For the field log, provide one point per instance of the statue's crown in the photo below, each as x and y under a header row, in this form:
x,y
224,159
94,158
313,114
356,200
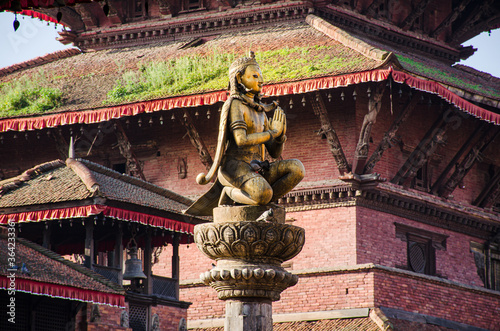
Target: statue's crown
x,y
242,63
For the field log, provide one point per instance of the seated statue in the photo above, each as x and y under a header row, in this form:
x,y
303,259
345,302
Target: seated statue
x,y
245,132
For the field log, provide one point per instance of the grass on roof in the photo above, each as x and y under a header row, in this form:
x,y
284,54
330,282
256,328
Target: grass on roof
x,y
445,77
195,73
28,95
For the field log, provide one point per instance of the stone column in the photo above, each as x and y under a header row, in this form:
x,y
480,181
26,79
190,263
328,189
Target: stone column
x,y
249,253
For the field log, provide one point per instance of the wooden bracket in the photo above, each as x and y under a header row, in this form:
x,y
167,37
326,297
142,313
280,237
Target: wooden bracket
x,y
469,23
414,15
453,162
196,140
427,146
361,152
490,195
331,136
389,136
133,166
475,154
455,13
370,10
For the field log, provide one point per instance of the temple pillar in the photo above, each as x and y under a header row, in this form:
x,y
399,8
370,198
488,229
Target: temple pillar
x,y
148,255
175,261
249,248
89,243
46,235
118,256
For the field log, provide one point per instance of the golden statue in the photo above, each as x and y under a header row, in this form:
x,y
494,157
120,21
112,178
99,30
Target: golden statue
x,y
245,132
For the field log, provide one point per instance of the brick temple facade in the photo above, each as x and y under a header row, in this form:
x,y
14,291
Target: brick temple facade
x,y
400,202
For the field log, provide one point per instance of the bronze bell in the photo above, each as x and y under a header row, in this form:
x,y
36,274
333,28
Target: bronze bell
x,y
133,266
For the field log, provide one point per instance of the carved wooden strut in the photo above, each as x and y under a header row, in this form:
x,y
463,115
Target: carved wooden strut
x,y
197,142
427,146
133,165
361,153
475,154
389,137
331,136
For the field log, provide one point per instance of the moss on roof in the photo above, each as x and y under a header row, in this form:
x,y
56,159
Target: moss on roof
x,y
286,52
195,73
450,76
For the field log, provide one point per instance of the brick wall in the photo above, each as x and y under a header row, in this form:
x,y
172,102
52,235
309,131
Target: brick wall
x,y
377,243
330,237
368,286
169,317
109,318
439,299
205,302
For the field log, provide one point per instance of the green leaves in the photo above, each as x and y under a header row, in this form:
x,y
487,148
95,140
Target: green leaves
x,y
25,97
178,76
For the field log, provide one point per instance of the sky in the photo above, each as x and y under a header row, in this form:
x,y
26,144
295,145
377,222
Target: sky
x,y
36,38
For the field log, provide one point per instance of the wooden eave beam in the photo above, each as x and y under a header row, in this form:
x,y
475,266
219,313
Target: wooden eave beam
x,y
424,150
133,166
452,17
331,136
370,10
469,22
387,140
414,15
475,154
437,185
361,152
490,193
196,140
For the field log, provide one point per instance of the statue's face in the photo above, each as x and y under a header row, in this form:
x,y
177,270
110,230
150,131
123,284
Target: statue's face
x,y
252,79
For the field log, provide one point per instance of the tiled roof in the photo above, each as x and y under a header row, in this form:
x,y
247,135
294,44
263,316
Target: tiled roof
x,y
51,183
416,326
46,266
85,79
120,187
55,181
459,76
358,324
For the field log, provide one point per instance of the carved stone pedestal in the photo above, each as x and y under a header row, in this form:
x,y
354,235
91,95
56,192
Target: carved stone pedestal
x,y
249,253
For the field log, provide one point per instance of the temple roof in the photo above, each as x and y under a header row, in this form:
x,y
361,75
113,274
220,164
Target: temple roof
x,y
60,190
56,181
161,76
286,52
47,273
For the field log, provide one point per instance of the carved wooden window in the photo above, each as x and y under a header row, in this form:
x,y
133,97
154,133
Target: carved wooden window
x,y
495,271
188,5
421,255
137,9
487,259
421,248
421,180
138,317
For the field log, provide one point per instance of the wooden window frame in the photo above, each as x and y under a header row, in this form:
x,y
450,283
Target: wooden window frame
x,y
428,241
487,258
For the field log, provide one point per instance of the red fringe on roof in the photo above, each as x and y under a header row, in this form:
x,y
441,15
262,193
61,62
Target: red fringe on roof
x,y
106,114
85,211
132,216
436,88
41,16
63,291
